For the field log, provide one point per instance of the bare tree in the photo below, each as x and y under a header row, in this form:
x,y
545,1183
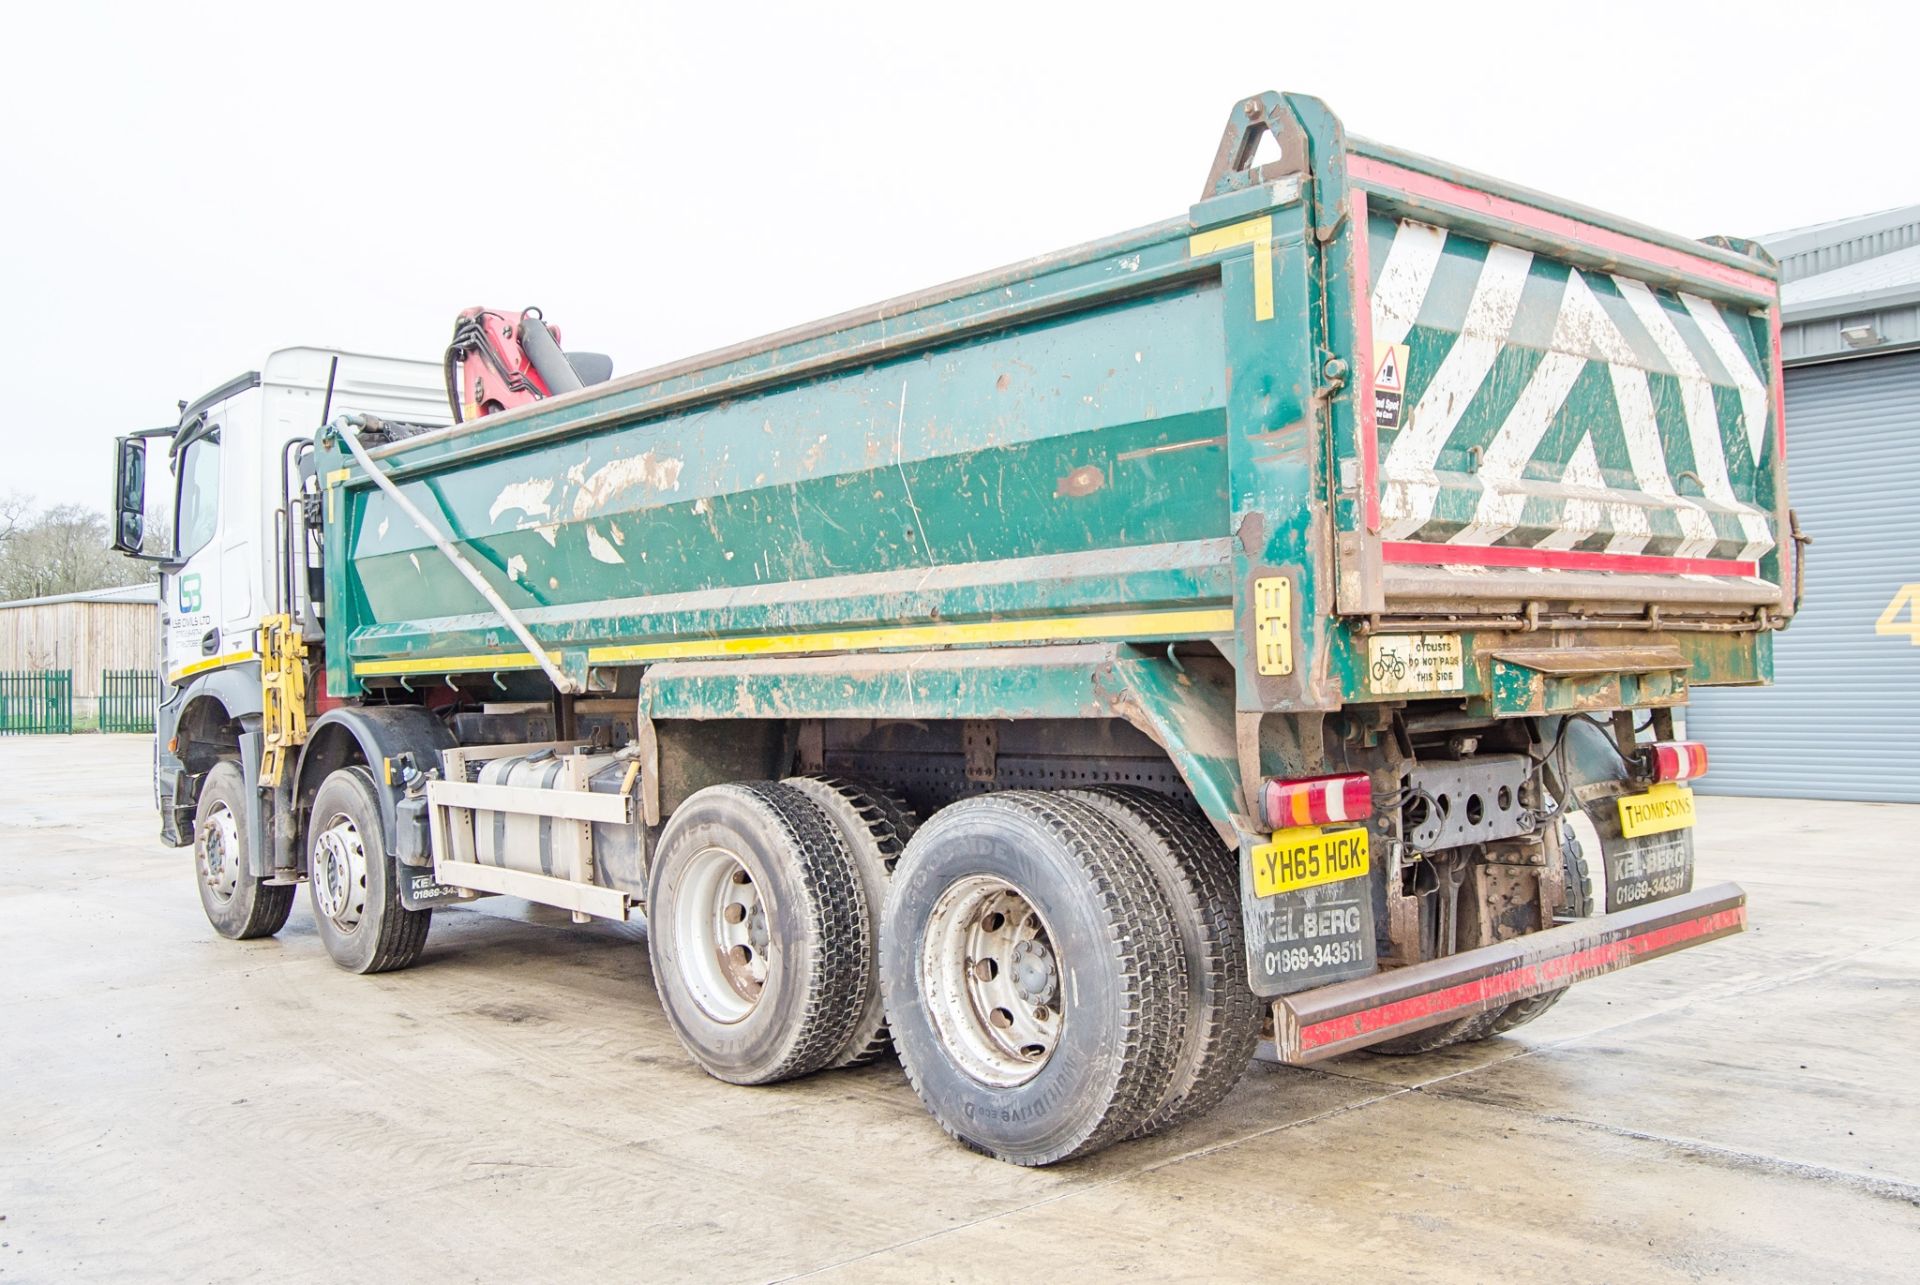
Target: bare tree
x,y
62,550
16,509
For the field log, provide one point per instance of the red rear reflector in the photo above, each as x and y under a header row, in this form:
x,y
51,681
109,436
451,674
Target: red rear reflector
x,y
1677,760
1320,800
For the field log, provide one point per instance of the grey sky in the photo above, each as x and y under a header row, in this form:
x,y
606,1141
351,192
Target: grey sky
x,y
190,187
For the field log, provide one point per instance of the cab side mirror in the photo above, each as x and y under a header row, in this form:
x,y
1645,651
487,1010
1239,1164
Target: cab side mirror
x,y
129,494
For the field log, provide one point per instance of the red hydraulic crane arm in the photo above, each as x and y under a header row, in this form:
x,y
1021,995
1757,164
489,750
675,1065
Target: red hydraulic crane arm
x,y
500,360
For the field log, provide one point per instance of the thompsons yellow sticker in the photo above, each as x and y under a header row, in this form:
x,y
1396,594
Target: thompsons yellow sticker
x,y
1664,807
1307,857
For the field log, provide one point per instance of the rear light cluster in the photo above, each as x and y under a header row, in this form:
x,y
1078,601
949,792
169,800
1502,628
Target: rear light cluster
x,y
1320,800
1675,760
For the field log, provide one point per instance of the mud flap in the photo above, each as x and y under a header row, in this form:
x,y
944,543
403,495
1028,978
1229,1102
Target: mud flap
x,y
1639,870
419,890
1305,938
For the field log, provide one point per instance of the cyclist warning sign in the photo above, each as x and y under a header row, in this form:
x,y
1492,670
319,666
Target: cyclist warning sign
x,y
1415,663
1389,384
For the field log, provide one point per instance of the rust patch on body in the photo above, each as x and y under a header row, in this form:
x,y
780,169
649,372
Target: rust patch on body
x,y
1084,480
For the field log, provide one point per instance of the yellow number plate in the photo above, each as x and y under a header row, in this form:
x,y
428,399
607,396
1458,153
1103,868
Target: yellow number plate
x,y
1663,808
1306,858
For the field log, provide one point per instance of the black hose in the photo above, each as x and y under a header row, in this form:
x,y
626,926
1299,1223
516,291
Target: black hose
x,y
452,364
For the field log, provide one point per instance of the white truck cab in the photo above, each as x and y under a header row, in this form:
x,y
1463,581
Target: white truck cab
x,y
234,478
237,551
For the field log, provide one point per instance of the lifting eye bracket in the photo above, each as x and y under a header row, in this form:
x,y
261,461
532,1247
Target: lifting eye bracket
x,y
1233,167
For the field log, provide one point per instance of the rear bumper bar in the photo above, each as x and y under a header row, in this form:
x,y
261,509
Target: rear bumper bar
x,y
1351,1015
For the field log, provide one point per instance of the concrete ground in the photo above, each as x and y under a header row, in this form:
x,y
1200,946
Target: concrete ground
x,y
175,1106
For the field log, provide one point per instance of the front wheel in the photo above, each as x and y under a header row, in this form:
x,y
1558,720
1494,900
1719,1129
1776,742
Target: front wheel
x,y
238,904
355,894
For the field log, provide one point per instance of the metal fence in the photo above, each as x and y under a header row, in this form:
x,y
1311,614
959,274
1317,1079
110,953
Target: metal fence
x,y
127,699
36,703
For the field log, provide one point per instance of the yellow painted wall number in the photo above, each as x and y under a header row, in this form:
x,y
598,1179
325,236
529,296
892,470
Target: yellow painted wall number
x,y
1892,625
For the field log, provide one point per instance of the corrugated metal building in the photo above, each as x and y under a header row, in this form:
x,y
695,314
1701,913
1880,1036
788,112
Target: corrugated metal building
x,y
1843,718
85,632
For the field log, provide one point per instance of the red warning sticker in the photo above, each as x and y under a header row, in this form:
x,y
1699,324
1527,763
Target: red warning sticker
x,y
1389,384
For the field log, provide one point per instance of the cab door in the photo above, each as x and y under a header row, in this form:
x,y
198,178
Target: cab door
x,y
192,638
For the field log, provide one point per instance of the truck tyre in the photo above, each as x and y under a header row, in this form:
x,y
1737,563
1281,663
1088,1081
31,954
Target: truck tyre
x,y
238,904
1481,1026
1034,984
1196,875
1579,904
354,891
875,826
758,931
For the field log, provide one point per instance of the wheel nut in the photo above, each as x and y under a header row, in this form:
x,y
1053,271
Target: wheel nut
x,y
1041,1014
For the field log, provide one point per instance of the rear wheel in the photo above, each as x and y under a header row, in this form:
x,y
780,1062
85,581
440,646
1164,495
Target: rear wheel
x,y
238,904
1197,878
875,826
1577,905
354,891
1035,985
758,931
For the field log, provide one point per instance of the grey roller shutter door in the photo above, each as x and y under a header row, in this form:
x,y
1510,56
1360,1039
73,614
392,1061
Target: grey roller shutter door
x,y
1842,720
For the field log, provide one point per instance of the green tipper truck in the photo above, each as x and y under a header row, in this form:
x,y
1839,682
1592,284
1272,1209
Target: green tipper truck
x,y
1260,630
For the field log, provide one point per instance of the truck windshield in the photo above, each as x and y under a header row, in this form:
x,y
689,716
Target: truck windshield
x,y
199,495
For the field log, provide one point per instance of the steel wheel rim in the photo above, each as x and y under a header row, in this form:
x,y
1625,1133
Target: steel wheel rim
x,y
991,978
219,852
339,873
721,935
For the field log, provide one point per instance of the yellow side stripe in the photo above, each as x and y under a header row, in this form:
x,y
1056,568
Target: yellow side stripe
x,y
211,662
453,664
1123,625
1061,629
